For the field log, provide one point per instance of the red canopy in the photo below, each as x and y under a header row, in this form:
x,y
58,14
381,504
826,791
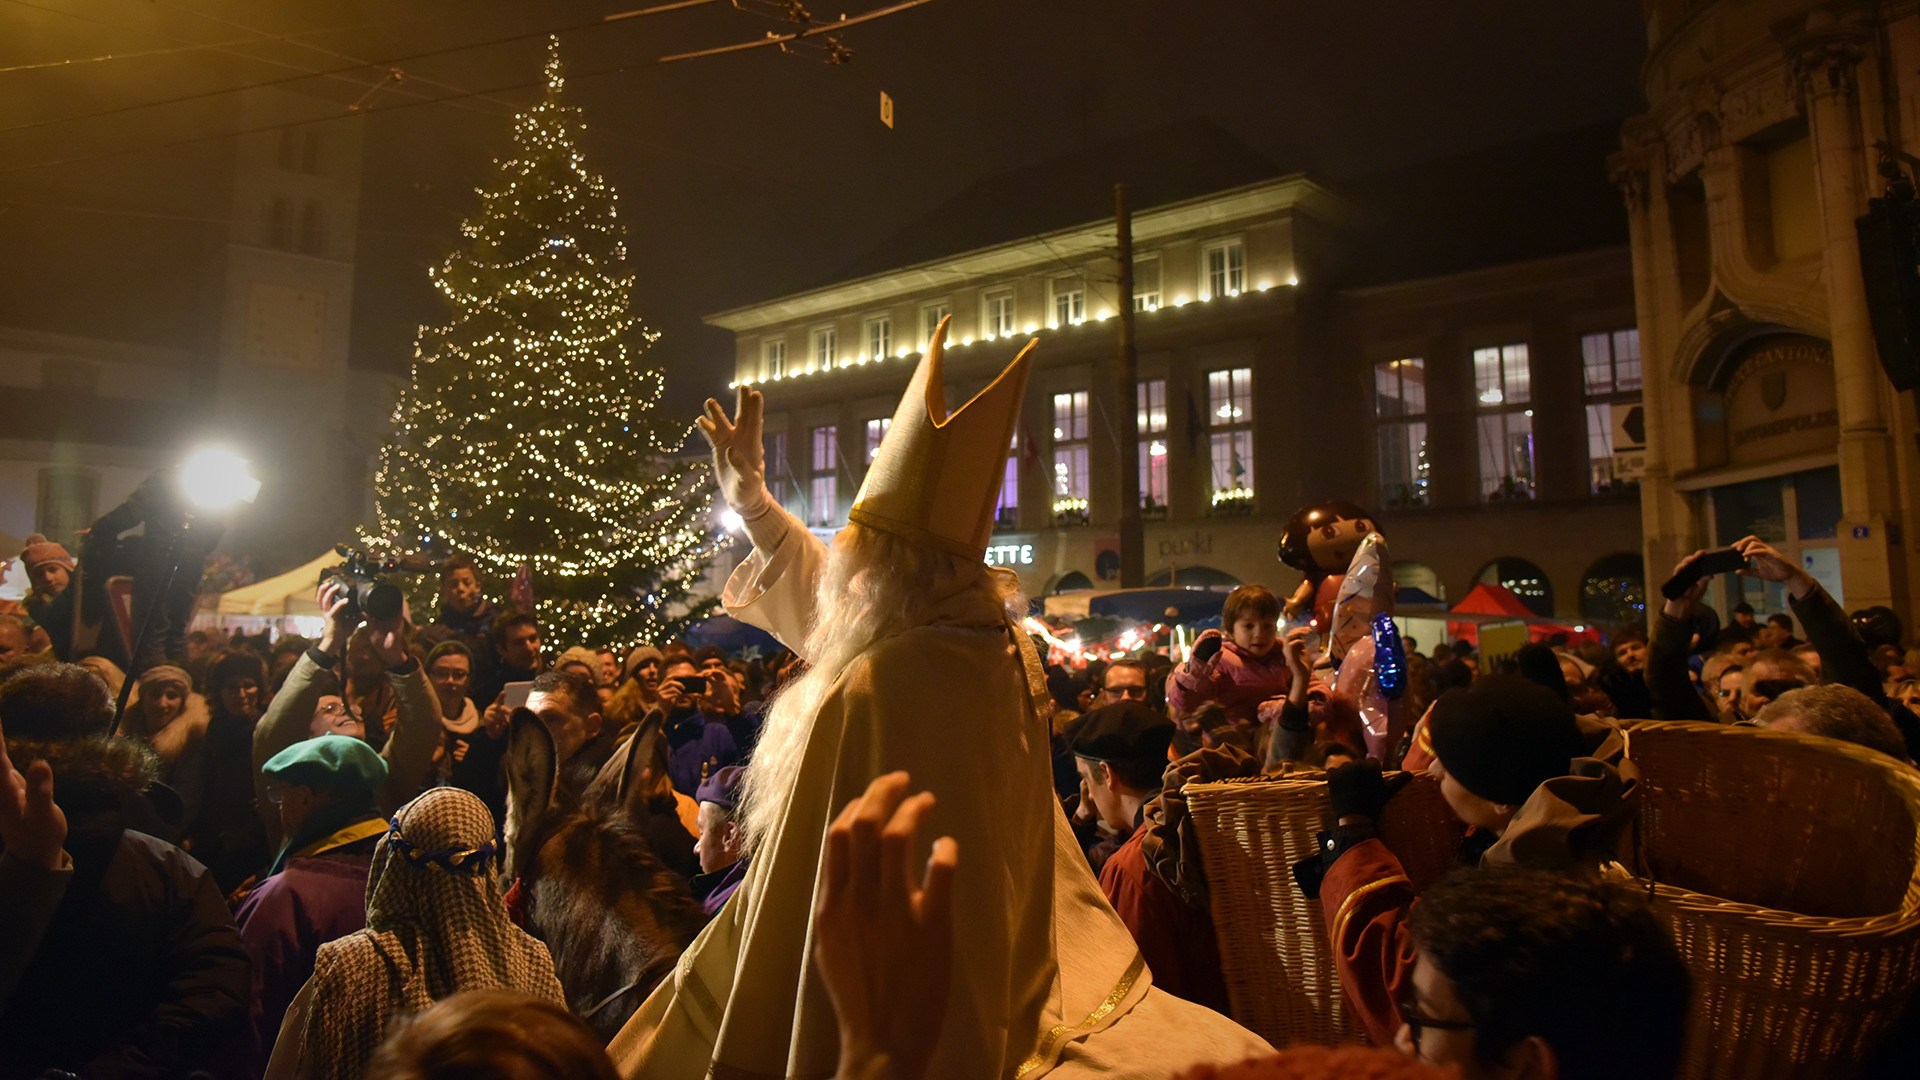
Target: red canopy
x,y
1496,603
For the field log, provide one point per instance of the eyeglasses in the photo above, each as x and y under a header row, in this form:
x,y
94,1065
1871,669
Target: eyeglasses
x,y
332,708
1131,693
1417,1021
274,795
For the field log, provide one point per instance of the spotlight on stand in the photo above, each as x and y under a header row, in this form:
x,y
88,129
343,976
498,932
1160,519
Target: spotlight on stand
x,y
215,478
211,479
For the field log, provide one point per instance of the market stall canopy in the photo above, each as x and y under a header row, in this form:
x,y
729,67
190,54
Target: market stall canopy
x,y
730,635
1140,605
1495,604
1406,596
290,593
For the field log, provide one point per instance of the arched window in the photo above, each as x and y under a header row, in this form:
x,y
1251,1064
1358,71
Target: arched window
x,y
1614,590
1524,580
1413,575
1067,582
313,229
1193,577
310,157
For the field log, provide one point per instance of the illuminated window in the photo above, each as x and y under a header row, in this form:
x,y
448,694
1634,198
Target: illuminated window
x,y
1230,442
1400,430
879,337
824,488
1069,301
1501,376
930,316
779,474
1612,365
1226,268
876,433
1070,429
1006,513
1503,384
1146,284
997,313
1150,398
773,357
826,348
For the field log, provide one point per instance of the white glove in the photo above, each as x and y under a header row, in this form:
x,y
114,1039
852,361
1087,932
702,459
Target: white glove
x,y
739,461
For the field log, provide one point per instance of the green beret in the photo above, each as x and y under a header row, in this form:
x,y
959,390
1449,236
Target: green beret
x,y
333,763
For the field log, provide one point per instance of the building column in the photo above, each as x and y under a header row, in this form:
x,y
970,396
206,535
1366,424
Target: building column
x,y
1666,522
1826,60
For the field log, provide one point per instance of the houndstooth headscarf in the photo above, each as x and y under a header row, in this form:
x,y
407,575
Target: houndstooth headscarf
x,y
435,926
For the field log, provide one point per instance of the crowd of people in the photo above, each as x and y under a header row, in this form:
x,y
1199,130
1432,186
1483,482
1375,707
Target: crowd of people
x,y
292,858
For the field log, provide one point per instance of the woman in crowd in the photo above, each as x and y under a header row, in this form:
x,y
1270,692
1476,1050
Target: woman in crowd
x,y
226,833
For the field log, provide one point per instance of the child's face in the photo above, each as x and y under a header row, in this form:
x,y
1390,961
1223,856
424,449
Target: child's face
x,y
1255,634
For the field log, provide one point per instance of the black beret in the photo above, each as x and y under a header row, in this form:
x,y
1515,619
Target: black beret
x,y
1123,731
1504,736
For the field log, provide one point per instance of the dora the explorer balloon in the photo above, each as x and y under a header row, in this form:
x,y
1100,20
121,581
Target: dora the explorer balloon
x,y
1319,541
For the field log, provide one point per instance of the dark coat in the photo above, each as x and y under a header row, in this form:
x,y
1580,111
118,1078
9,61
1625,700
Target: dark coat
x,y
141,972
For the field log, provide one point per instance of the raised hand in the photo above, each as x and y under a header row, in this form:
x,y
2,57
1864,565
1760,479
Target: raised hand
x,y
1767,564
389,639
32,826
334,599
1680,608
739,459
883,935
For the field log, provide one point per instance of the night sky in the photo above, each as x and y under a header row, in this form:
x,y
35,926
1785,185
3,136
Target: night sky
x,y
742,177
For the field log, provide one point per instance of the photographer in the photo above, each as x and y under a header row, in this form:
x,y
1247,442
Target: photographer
x,y
698,708
1844,658
310,704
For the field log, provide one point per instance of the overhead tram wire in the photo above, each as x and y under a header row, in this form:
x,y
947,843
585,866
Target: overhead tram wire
x,y
335,54
507,39
338,75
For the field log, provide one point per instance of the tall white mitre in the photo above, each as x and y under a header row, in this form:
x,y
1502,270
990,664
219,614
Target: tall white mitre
x,y
937,477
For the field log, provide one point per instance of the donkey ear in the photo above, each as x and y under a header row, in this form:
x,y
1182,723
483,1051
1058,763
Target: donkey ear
x,y
532,768
643,757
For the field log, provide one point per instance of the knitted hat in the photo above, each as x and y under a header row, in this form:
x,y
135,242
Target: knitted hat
x,y
1504,736
338,764
583,656
40,550
1124,731
642,654
722,788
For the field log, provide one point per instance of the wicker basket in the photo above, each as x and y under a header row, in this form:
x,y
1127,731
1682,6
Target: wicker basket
x,y
1789,868
1279,969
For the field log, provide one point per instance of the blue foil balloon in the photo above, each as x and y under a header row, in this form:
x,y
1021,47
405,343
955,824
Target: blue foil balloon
x,y
1389,657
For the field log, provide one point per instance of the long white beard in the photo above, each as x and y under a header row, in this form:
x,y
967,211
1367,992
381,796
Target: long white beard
x,y
871,587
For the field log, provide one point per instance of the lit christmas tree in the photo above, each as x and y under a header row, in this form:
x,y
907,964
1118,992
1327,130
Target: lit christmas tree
x,y
532,433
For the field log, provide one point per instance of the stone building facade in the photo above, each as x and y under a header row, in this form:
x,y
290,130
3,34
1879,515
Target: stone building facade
x,y
1767,410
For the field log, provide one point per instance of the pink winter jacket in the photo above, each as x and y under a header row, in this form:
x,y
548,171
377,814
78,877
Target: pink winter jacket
x,y
1234,680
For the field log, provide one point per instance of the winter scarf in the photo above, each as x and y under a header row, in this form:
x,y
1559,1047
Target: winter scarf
x,y
435,926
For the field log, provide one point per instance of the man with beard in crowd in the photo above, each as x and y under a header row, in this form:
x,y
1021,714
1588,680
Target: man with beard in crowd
x,y
915,665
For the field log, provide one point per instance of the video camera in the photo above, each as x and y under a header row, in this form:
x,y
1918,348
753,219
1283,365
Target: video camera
x,y
368,595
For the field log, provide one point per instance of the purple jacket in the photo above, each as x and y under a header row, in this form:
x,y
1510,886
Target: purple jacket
x,y
713,889
698,748
289,916
1235,681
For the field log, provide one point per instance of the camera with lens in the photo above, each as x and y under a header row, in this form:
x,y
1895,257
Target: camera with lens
x,y
369,596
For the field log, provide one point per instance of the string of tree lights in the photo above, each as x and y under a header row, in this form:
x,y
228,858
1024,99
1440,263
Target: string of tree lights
x,y
533,433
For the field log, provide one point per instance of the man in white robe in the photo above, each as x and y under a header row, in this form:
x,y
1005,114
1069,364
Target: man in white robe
x,y
916,666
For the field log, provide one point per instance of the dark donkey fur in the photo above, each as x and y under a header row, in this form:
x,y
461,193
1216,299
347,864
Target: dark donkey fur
x,y
615,918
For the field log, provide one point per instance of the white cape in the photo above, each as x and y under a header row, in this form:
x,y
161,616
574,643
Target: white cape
x,y
1045,976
